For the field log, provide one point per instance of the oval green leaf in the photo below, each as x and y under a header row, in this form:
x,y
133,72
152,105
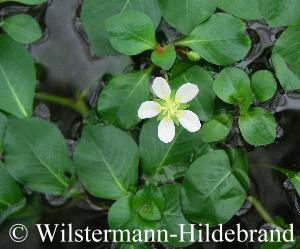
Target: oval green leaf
x,y
131,32
30,146
121,98
16,89
164,57
263,85
94,15
220,40
215,187
110,169
188,14
22,28
258,126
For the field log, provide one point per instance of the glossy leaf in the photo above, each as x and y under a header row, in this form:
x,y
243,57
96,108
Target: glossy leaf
x,y
285,58
164,57
10,193
221,40
203,105
258,126
215,187
280,12
173,216
22,28
241,8
232,85
131,32
94,16
16,89
263,85
155,154
216,129
3,121
36,155
108,170
28,2
121,98
186,15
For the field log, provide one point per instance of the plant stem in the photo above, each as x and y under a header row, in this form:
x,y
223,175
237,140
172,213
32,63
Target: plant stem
x,y
261,210
78,105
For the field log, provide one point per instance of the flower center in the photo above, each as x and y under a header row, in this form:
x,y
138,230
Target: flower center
x,y
170,108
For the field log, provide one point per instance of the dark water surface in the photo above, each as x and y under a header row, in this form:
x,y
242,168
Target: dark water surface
x,y
68,65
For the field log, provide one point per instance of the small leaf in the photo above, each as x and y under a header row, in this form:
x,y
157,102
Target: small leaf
x,y
22,28
28,2
30,146
279,12
10,194
106,160
263,85
3,121
244,9
188,14
164,57
217,129
16,89
295,180
203,105
155,154
215,187
232,85
285,58
258,126
220,40
121,98
131,32
94,15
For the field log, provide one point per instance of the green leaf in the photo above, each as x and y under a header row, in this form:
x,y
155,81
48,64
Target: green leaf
x,y
132,246
280,245
285,58
203,105
156,154
3,121
22,28
188,14
149,202
173,216
233,87
217,129
279,12
164,57
28,2
215,187
10,193
123,216
258,126
94,15
131,32
16,89
106,160
263,85
245,9
221,40
36,155
121,98
295,180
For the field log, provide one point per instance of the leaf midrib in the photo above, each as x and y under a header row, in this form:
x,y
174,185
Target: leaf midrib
x,y
13,92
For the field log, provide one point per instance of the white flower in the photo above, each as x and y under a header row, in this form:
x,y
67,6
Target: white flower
x,y
170,108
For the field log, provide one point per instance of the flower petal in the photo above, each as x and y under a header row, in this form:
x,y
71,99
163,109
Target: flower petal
x,y
189,121
161,88
187,92
166,130
149,109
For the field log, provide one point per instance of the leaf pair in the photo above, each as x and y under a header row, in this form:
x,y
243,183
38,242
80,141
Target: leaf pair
x,y
233,86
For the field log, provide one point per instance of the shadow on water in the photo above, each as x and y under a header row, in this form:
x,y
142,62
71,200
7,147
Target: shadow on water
x,y
68,65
